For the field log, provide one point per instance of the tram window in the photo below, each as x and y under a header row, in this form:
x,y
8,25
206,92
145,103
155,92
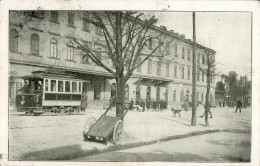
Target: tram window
x,y
60,86
67,86
79,87
47,85
74,87
53,85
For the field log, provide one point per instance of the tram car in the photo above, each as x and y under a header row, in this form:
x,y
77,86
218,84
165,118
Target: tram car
x,y
48,92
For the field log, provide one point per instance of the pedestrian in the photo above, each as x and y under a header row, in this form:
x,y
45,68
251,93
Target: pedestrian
x,y
239,105
143,104
131,104
84,101
186,105
220,104
209,111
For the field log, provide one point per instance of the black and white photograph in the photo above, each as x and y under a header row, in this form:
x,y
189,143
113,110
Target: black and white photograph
x,y
130,86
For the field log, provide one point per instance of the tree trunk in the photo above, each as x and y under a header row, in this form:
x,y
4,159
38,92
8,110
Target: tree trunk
x,y
207,104
120,95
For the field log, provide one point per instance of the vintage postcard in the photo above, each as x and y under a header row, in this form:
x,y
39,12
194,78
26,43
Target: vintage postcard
x,y
86,83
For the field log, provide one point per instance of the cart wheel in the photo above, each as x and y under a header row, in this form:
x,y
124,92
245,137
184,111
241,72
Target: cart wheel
x,y
89,124
118,131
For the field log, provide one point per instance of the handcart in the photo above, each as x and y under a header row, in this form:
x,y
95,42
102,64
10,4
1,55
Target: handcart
x,y
106,128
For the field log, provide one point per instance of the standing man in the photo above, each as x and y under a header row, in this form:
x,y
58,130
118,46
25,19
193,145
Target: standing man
x,y
84,101
239,105
25,88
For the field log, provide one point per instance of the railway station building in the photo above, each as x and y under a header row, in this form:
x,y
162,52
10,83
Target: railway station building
x,y
41,41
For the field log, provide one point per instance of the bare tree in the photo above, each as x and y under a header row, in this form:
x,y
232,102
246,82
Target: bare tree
x,y
126,38
210,71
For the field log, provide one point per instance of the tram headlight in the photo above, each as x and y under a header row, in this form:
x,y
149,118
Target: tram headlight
x,y
22,102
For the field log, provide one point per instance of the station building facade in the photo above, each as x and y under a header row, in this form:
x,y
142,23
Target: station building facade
x,y
42,40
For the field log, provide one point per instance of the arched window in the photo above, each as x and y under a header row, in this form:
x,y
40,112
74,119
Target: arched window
x,y
202,97
35,44
54,48
98,53
182,96
13,40
175,71
174,95
126,92
139,60
70,51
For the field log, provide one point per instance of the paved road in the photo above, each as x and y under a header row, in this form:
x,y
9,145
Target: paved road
x,y
233,146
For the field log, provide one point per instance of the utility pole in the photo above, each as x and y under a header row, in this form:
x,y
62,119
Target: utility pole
x,y
194,73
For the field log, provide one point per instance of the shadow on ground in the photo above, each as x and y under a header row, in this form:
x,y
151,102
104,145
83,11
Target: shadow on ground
x,y
75,151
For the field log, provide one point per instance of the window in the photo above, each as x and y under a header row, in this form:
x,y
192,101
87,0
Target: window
x,y
54,16
47,85
85,58
54,48
71,18
139,69
183,53
74,87
70,51
98,31
60,86
13,40
198,58
79,87
182,72
53,85
35,44
188,73
175,50
198,76
197,97
158,68
202,76
182,96
189,55
67,86
149,66
96,91
167,69
126,92
150,42
203,59
174,95
201,97
98,54
85,23
168,48
175,71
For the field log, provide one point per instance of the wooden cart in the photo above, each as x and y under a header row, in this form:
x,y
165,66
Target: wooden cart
x,y
106,128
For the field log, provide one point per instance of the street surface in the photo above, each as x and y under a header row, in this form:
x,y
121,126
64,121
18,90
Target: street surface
x,y
152,136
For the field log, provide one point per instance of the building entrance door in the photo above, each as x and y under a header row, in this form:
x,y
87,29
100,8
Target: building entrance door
x,y
148,97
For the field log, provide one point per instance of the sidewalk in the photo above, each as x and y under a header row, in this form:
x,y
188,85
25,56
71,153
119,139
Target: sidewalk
x,y
140,128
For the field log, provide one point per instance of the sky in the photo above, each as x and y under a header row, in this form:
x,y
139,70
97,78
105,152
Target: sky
x,y
228,33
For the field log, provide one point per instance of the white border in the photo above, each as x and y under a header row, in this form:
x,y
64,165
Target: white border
x,y
165,5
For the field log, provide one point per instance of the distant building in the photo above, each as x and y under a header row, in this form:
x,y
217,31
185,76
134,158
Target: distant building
x,y
42,39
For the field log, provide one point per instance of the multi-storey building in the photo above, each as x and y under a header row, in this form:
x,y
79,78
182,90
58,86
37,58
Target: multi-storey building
x,y
42,39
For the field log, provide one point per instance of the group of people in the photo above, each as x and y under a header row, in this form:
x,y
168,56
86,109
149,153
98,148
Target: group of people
x,y
157,105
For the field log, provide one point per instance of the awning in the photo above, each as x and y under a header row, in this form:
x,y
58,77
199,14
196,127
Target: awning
x,y
153,81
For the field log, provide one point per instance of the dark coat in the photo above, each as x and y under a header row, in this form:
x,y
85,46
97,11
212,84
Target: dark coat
x,y
84,101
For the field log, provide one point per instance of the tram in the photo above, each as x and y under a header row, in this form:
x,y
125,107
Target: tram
x,y
53,92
